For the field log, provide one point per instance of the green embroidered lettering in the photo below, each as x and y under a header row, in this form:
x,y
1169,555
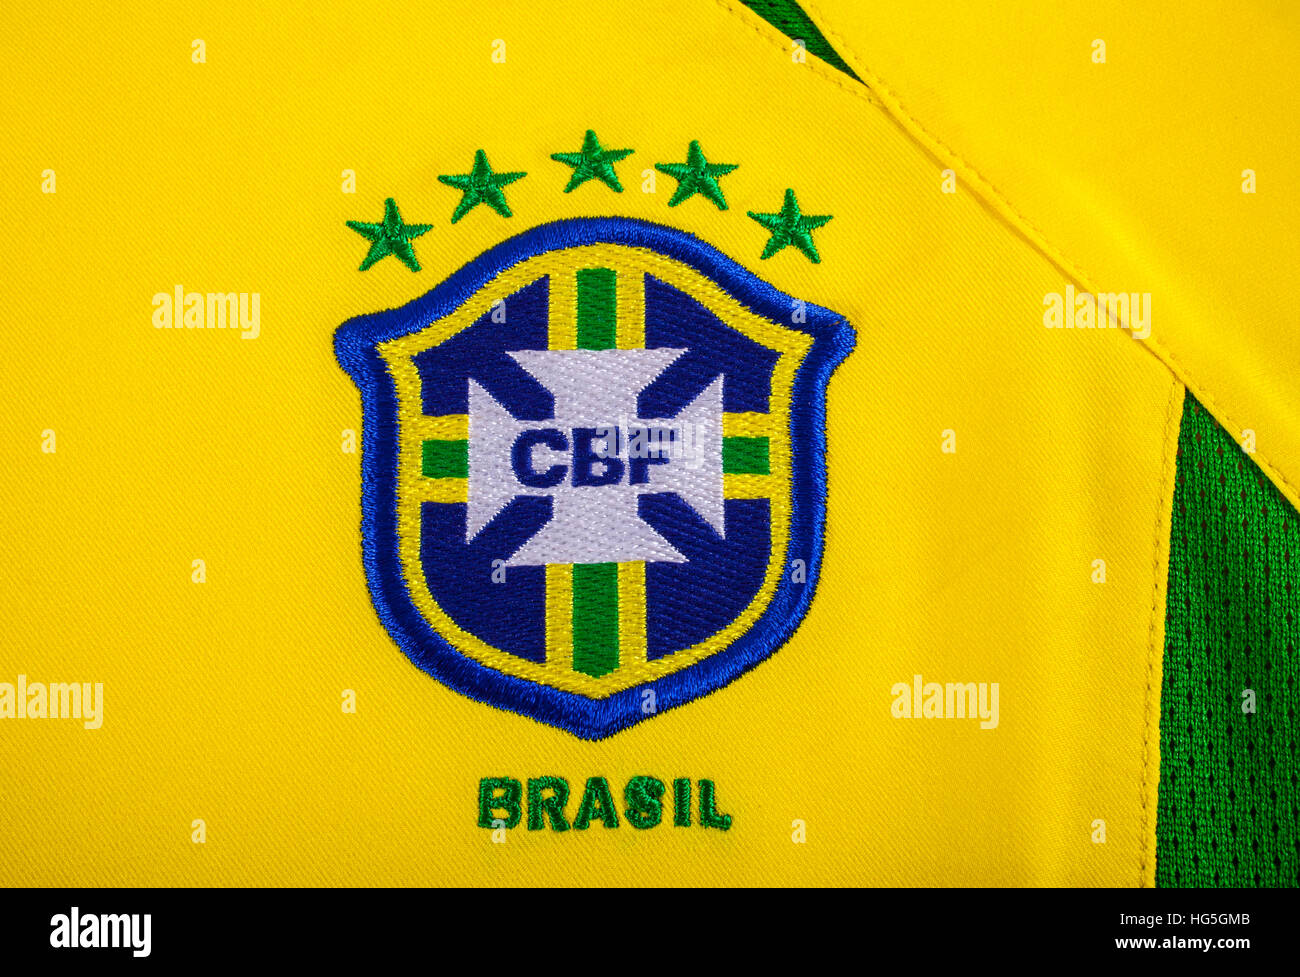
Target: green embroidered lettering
x,y
508,801
644,807
681,803
597,803
709,816
540,808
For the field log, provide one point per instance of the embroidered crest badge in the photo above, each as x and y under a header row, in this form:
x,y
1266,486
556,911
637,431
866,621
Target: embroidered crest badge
x,y
593,470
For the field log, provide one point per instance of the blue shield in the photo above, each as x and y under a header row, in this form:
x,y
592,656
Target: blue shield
x,y
593,475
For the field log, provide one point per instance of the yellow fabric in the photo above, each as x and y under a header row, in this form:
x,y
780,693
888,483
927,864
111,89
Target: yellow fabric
x,y
222,698
1129,173
414,489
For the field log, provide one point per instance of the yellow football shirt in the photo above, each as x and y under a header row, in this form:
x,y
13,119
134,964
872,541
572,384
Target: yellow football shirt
x,y
335,338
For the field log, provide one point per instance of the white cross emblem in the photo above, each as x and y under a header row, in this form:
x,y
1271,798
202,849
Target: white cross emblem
x,y
595,523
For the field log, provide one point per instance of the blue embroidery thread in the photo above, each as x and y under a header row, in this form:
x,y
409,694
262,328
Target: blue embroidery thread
x,y
356,348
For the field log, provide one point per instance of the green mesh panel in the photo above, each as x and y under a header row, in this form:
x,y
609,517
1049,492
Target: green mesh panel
x,y
788,17
1229,807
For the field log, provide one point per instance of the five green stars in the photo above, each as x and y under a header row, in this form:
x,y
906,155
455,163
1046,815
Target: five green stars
x,y
390,236
697,175
481,186
593,162
790,227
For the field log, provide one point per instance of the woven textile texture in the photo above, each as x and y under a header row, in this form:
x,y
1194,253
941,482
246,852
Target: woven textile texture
x,y
789,18
1228,812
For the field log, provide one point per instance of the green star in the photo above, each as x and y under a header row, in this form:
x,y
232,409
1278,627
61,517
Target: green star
x,y
696,175
791,227
481,186
592,162
390,236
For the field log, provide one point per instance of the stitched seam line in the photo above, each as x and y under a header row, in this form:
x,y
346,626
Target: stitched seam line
x,y
1155,648
998,202
822,69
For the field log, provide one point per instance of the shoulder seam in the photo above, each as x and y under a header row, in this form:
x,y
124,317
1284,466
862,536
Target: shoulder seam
x,y
769,33
877,92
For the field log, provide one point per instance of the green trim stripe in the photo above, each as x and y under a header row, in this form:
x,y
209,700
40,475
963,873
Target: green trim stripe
x,y
597,308
789,18
1228,813
745,456
595,618
445,459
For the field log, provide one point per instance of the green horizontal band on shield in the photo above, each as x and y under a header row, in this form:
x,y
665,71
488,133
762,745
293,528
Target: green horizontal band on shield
x,y
745,456
445,459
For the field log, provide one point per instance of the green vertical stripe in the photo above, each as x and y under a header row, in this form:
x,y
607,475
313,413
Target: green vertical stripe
x,y
597,308
1228,812
745,456
445,459
595,618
